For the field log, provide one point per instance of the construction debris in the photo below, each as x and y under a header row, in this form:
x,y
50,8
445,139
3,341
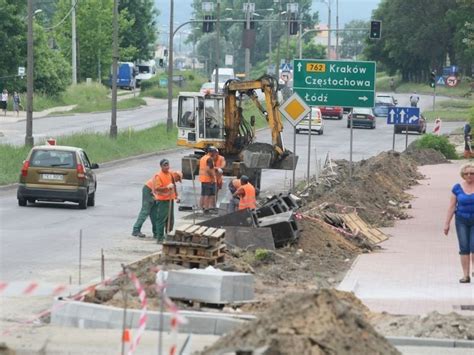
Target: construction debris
x,y
195,246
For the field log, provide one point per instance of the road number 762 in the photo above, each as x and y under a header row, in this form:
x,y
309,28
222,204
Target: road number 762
x,y
316,67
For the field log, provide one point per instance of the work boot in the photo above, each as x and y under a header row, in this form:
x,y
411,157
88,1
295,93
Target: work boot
x,y
138,234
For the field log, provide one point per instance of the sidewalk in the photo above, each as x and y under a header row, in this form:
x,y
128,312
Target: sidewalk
x,y
12,117
418,269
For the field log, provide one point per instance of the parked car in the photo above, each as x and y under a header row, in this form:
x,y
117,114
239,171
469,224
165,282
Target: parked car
x,y
363,117
209,88
420,127
332,112
57,173
382,105
317,123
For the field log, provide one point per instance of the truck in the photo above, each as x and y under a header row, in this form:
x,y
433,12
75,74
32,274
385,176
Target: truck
x,y
218,120
224,75
126,73
146,71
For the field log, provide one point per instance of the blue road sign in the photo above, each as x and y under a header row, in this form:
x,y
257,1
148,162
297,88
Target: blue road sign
x,y
403,115
440,80
286,67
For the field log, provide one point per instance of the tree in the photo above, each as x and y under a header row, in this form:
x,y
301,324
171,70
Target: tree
x,y
353,42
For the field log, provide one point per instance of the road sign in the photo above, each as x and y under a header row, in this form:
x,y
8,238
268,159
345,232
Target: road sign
x,y
335,83
451,81
440,81
403,115
286,67
21,71
294,109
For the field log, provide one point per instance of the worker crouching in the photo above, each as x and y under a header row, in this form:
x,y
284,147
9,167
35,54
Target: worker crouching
x,y
246,193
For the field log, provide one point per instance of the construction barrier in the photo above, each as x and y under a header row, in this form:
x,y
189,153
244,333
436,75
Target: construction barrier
x,y
437,127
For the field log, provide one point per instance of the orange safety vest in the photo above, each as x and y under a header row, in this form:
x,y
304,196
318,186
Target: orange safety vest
x,y
219,162
162,179
248,199
204,170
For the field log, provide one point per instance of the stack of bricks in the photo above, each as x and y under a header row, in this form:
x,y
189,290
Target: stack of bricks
x,y
195,246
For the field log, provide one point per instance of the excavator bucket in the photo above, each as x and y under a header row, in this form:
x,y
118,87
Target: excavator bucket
x,y
264,156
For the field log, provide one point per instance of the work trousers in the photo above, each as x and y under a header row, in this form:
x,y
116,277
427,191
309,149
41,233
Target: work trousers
x,y
165,211
149,209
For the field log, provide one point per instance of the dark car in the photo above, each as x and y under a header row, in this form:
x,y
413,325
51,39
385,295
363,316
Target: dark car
x,y
420,127
361,117
59,174
382,104
332,112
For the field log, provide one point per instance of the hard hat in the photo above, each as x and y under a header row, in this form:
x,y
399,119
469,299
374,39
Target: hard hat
x,y
212,149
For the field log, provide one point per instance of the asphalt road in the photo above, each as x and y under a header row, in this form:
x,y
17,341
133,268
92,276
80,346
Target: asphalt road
x,y
41,241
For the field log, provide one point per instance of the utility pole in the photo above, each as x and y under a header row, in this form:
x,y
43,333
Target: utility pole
x,y
73,43
218,33
329,29
269,46
169,120
288,15
277,67
337,30
113,123
247,48
29,140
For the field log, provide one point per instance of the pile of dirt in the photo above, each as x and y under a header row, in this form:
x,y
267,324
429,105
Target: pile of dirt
x,y
318,322
319,259
376,190
432,325
425,156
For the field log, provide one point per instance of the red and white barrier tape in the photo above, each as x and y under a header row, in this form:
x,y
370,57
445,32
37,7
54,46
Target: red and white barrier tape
x,y
143,316
33,288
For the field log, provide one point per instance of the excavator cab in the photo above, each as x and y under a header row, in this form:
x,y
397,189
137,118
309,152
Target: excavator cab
x,y
200,120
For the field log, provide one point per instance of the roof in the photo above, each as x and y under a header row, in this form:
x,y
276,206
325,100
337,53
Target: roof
x,y
57,147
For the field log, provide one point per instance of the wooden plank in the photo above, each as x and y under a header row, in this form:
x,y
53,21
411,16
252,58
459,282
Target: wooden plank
x,y
218,233
209,231
356,224
183,227
200,231
193,228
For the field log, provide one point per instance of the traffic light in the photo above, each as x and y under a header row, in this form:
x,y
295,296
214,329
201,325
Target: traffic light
x,y
293,27
165,53
433,78
207,25
161,62
375,29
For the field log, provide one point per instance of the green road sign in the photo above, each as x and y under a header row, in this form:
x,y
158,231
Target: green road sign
x,y
334,83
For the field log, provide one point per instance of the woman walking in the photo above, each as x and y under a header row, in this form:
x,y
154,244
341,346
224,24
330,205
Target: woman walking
x,y
4,101
461,205
16,103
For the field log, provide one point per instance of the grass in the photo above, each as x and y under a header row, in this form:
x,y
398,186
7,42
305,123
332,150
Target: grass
x,y
451,110
152,88
99,147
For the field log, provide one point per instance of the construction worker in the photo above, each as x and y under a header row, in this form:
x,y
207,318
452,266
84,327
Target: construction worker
x,y
247,194
210,176
234,200
149,209
165,192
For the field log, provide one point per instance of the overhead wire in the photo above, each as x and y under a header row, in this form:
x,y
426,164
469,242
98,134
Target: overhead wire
x,y
64,18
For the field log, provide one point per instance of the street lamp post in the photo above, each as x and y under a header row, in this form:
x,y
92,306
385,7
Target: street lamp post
x,y
73,42
218,33
337,29
29,140
169,120
249,8
328,4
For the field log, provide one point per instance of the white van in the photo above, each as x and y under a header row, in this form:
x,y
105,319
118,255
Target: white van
x,y
224,75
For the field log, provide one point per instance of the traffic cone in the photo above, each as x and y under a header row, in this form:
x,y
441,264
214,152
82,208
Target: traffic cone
x,y
126,341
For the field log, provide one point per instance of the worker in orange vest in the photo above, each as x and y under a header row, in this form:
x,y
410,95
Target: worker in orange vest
x,y
210,175
148,210
234,200
165,193
247,194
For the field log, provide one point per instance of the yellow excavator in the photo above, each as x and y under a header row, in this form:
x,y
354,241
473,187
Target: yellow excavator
x,y
219,120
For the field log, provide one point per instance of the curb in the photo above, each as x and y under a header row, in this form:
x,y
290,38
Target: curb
x,y
431,342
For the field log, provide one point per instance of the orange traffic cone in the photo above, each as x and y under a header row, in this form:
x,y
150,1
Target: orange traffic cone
x,y
126,341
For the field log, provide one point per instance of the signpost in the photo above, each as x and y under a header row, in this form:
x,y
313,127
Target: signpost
x,y
294,109
403,115
335,83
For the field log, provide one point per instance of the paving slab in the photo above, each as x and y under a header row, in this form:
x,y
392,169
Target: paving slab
x,y
418,269
210,285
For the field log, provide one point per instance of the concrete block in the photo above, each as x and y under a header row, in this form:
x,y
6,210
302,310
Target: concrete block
x,y
260,160
210,285
242,218
284,228
249,238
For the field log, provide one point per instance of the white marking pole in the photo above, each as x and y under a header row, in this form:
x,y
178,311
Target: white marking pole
x,y
309,150
393,140
294,152
350,150
80,254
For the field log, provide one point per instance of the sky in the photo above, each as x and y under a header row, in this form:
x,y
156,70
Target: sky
x,y
348,10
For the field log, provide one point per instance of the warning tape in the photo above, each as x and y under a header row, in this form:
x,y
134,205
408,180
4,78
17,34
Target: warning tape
x,y
33,288
143,316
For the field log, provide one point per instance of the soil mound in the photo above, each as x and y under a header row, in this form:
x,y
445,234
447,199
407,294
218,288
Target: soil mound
x,y
375,191
319,322
425,156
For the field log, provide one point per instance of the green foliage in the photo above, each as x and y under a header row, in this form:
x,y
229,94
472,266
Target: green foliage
x,y
353,42
439,143
418,36
99,147
262,254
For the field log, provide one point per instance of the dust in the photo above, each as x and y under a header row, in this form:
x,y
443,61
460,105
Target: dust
x,y
320,322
